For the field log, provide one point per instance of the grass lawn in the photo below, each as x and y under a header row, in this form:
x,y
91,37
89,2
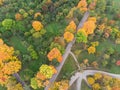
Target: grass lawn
x,y
116,3
84,86
16,42
2,88
68,68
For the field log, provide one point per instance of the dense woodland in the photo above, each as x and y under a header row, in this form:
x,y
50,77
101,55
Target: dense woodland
x,y
35,36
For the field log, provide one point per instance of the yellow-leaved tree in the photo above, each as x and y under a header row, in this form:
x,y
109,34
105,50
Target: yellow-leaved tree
x,y
9,64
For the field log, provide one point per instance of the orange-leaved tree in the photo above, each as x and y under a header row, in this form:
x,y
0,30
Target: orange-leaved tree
x,y
9,64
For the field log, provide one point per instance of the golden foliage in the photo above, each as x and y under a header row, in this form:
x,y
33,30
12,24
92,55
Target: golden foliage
x,y
101,27
16,87
91,50
96,43
68,36
92,19
1,2
18,16
89,26
83,31
37,25
37,14
95,64
85,61
97,76
90,80
71,27
46,83
116,88
3,78
11,67
82,5
12,84
9,64
6,52
54,54
46,70
101,81
54,70
96,86
61,85
42,77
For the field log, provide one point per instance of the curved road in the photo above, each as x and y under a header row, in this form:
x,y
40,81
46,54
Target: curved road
x,y
79,76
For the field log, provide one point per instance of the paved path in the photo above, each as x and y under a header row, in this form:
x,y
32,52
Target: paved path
x,y
79,76
67,51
